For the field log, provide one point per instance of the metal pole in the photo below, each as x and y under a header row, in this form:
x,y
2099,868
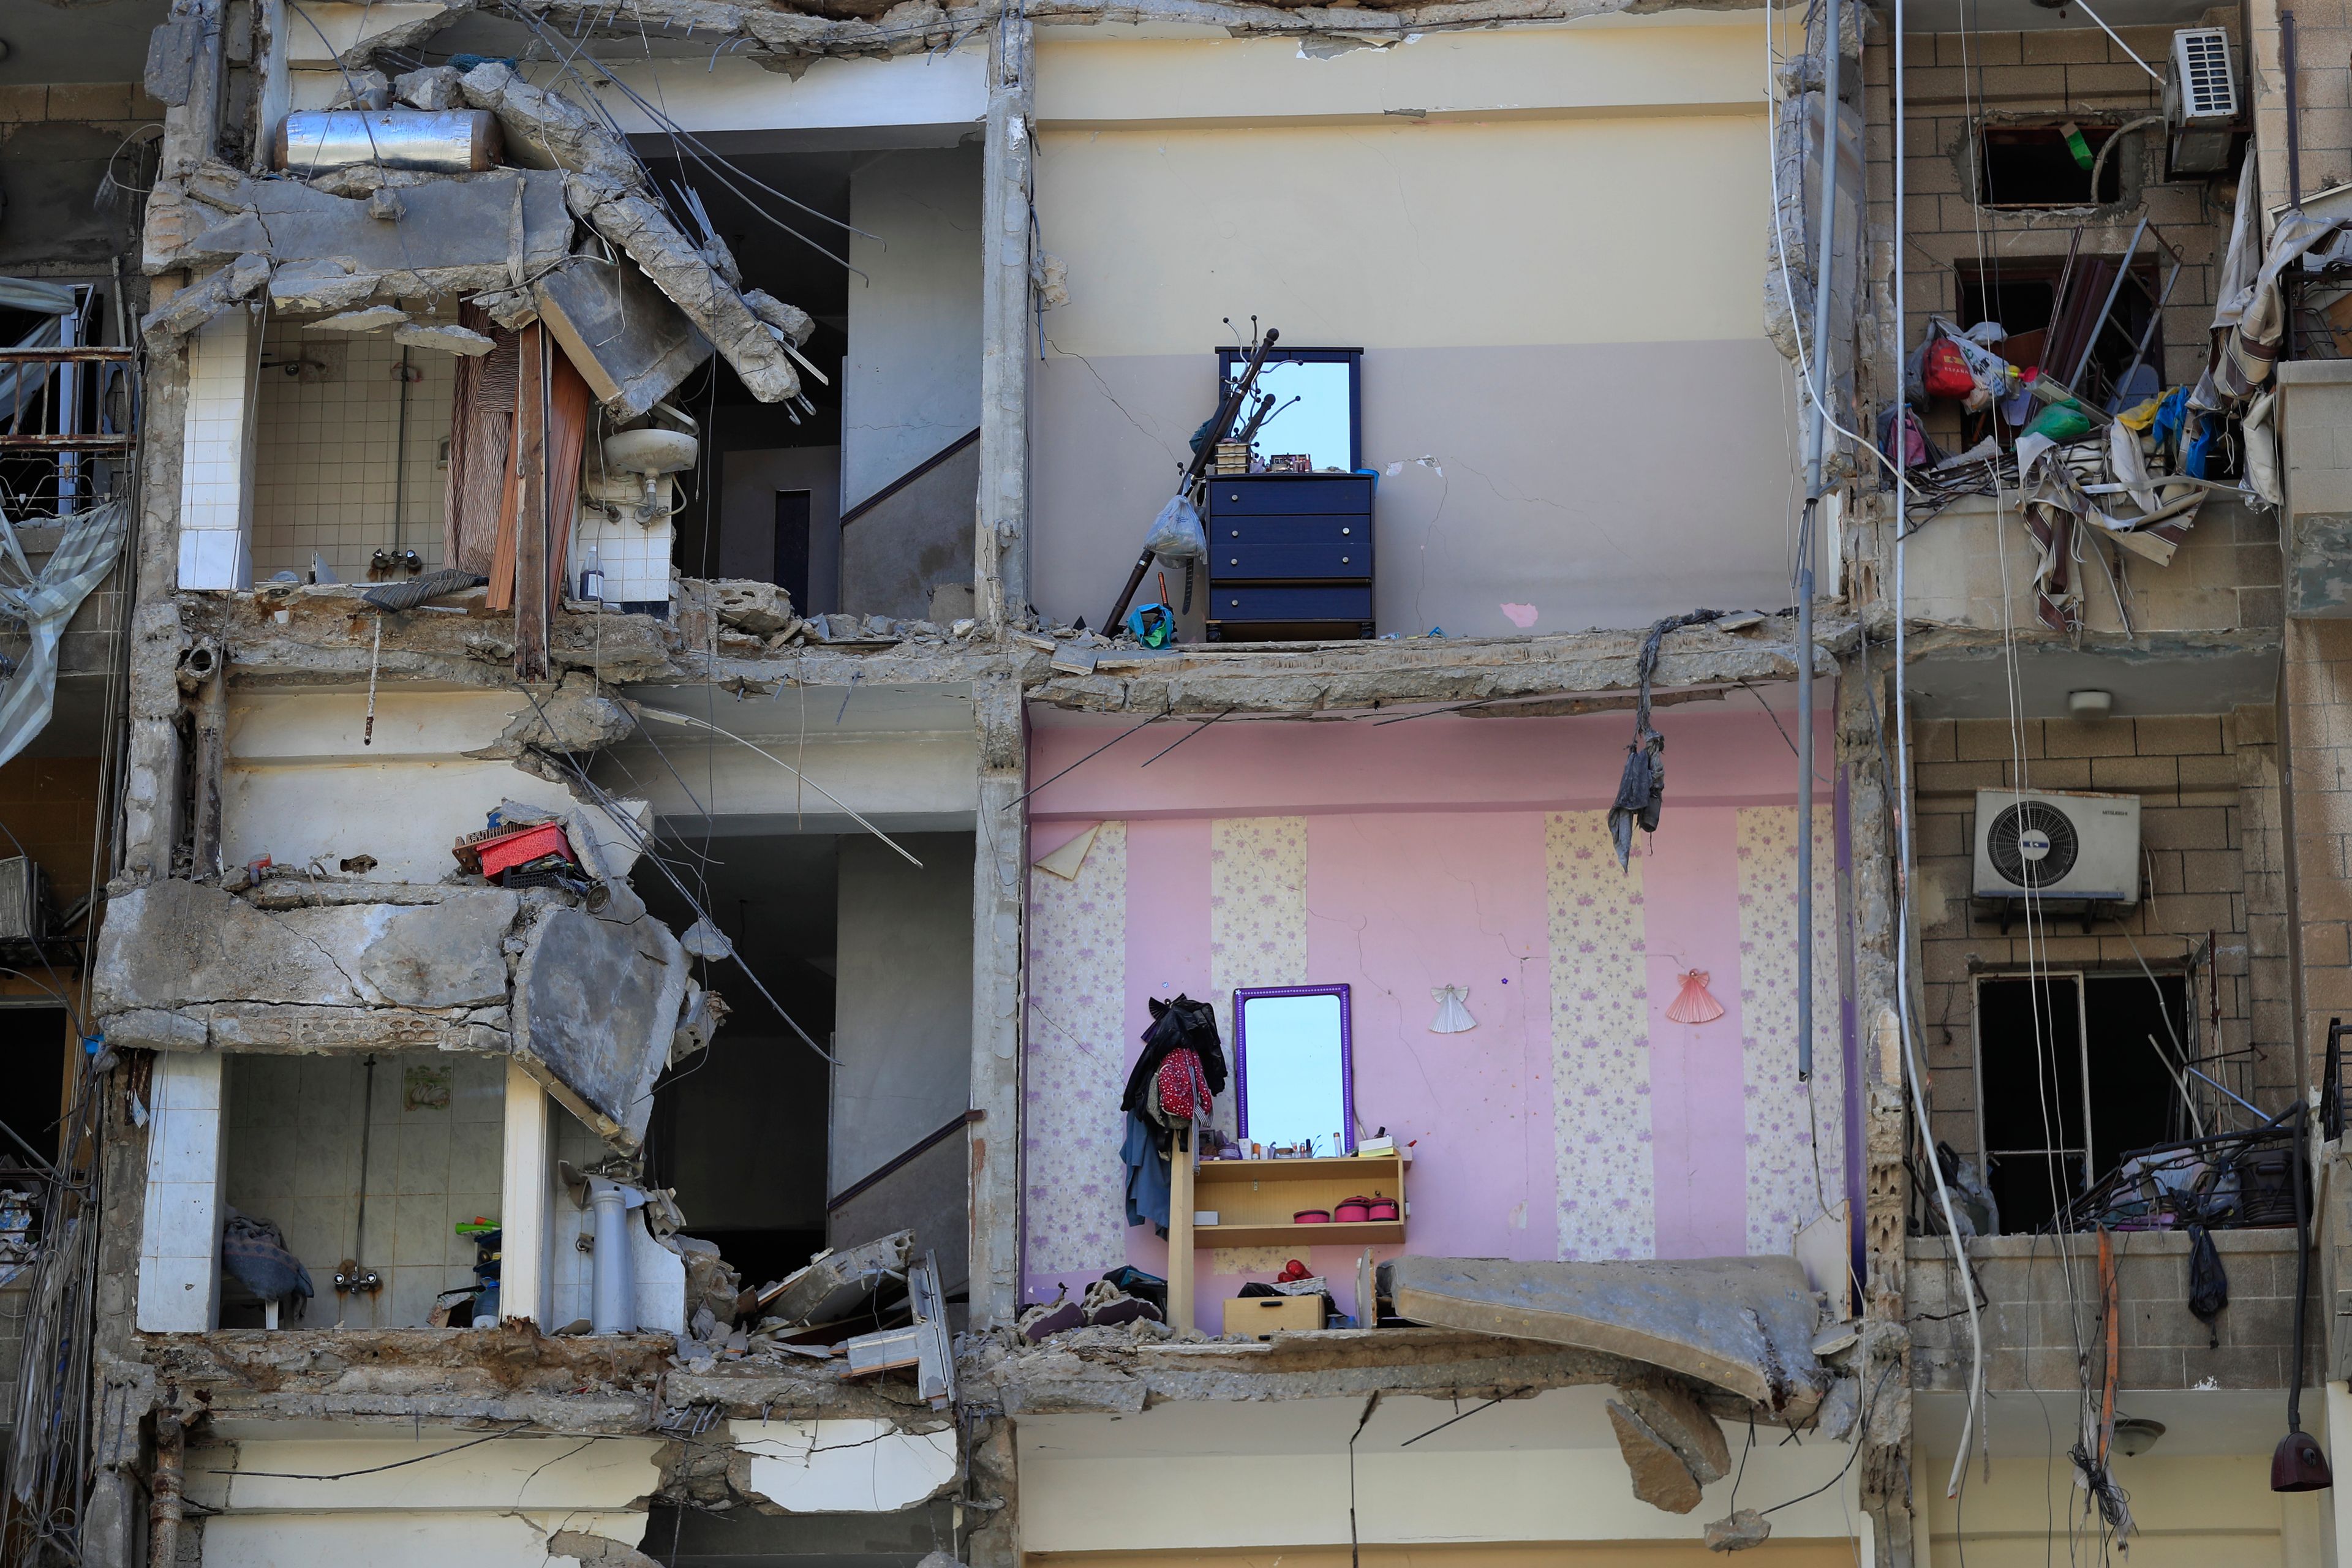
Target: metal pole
x,y
1816,447
2123,270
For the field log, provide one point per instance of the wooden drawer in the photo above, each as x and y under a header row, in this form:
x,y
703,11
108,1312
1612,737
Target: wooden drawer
x,y
1291,528
1290,604
1241,563
1262,1317
1263,494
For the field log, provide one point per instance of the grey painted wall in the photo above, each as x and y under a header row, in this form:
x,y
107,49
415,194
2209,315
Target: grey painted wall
x,y
911,384
902,1018
747,516
913,541
1606,484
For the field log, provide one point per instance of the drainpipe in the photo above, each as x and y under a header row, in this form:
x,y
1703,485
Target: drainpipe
x,y
1816,444
612,1304
164,1488
204,673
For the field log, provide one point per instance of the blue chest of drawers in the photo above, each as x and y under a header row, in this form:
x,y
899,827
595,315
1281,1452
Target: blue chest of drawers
x,y
1290,556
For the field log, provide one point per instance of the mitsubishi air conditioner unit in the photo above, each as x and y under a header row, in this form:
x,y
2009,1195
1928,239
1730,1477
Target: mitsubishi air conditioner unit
x,y
2200,100
2061,845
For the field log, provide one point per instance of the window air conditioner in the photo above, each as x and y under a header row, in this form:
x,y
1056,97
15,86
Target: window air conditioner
x,y
2069,845
24,901
2200,100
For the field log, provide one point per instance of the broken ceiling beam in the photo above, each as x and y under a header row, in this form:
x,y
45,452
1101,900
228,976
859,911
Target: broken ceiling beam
x,y
192,307
631,344
460,232
605,187
1743,1325
833,1283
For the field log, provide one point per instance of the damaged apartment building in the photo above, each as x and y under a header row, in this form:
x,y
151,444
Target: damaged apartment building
x,y
775,776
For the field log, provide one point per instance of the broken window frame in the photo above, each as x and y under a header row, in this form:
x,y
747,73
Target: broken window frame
x,y
2084,1155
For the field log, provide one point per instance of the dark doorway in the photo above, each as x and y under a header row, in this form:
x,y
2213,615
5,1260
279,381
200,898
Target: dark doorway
x,y
792,508
2070,1083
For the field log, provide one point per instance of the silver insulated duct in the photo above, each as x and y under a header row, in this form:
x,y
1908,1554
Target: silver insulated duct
x,y
436,142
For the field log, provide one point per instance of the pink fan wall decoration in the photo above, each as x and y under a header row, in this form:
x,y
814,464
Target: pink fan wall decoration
x,y
1694,1004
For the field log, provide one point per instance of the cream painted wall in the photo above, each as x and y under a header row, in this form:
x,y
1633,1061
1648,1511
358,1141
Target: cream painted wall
x,y
1556,274
1409,235
1683,63
301,780
1544,1468
2192,1510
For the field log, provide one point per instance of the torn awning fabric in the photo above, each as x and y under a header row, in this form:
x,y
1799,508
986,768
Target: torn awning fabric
x,y
1641,790
44,602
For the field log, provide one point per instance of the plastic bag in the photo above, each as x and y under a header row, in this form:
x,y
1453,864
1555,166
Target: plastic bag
x,y
1176,532
1947,371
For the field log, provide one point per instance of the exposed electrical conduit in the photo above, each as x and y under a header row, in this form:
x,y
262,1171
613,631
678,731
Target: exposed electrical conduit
x,y
2100,162
1904,796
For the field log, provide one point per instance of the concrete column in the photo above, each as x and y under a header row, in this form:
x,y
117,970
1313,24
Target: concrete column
x,y
1001,553
217,452
1000,863
151,803
524,1198
180,1231
190,130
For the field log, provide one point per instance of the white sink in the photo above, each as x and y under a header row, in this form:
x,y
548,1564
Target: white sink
x,y
649,451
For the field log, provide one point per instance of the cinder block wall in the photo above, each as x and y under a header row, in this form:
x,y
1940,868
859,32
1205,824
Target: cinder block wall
x,y
2041,1313
1953,82
2212,846
2319,681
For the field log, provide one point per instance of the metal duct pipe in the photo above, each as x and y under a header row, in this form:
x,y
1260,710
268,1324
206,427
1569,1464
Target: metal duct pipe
x,y
612,1298
439,142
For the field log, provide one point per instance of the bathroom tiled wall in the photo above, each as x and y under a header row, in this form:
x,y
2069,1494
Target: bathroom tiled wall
x,y
636,558
326,479
294,1150
179,1233
217,455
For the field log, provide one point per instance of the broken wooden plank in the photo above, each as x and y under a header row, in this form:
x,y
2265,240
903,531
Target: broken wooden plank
x,y
531,514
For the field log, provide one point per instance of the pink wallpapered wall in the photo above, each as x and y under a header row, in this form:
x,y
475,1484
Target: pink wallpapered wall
x,y
1576,1120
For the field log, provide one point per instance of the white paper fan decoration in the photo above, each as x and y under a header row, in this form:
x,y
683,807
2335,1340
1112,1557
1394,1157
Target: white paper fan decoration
x,y
1453,1016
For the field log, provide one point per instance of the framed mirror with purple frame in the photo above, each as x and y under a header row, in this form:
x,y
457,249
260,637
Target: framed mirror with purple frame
x,y
1294,1067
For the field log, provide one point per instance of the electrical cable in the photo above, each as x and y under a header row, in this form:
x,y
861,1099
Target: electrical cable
x,y
1907,870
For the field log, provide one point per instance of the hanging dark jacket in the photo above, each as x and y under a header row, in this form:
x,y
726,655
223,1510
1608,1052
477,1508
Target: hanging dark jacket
x,y
1183,1022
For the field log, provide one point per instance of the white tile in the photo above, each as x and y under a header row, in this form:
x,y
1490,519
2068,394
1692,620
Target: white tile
x,y
191,1079
183,1145
176,1295
187,1221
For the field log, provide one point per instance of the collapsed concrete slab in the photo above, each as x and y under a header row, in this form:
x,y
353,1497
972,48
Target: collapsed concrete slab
x,y
605,185
185,944
458,232
1743,1325
596,1004
632,345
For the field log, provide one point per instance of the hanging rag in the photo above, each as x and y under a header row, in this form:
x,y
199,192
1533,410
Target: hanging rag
x,y
2208,1282
1148,1175
2250,352
481,482
1642,789
44,600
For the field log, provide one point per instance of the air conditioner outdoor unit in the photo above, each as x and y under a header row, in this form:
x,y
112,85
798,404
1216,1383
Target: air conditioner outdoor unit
x,y
2200,100
2059,844
24,901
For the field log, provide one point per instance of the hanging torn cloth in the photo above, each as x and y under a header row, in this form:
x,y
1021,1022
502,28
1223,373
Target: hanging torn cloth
x,y
1641,790
44,602
1145,1153
2250,352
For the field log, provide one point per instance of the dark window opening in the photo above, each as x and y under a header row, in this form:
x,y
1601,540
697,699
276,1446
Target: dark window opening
x,y
792,512
2038,166
34,1042
2070,1084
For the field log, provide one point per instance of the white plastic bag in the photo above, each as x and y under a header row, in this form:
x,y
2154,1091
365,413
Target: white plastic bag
x,y
1177,533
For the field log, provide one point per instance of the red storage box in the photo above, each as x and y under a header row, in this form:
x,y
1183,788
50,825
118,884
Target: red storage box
x,y
515,849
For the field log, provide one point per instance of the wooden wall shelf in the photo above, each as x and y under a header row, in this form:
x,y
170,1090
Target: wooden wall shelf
x,y
1254,1199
